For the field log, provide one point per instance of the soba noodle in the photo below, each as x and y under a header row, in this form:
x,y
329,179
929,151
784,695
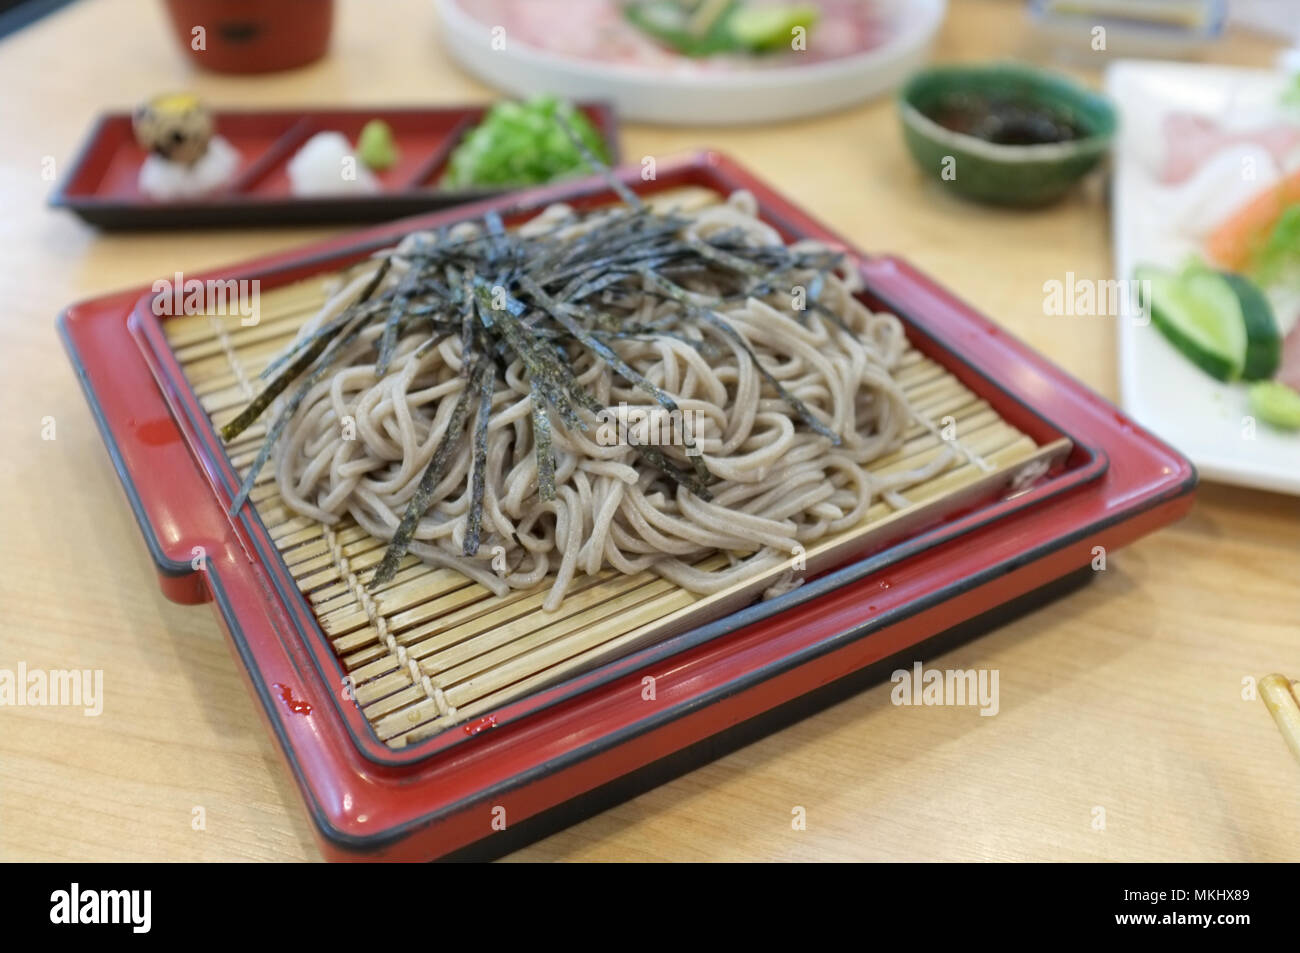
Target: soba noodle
x,y
358,444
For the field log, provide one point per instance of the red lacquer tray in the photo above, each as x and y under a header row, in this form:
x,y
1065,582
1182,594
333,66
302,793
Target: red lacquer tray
x,y
101,186
576,747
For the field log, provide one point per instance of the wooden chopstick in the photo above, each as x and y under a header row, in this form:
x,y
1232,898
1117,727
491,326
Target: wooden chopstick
x,y
1278,693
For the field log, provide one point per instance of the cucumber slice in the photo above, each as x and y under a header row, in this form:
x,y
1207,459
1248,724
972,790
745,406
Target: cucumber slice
x,y
1200,315
700,34
661,15
1275,403
1263,340
766,28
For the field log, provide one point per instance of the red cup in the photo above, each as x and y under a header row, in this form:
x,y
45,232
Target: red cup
x,y
252,36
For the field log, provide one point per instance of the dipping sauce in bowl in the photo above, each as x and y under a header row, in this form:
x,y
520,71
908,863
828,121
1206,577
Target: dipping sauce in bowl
x,y
1005,121
1004,133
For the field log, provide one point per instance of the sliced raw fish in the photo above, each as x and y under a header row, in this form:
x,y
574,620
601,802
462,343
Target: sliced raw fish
x,y
1289,372
1191,140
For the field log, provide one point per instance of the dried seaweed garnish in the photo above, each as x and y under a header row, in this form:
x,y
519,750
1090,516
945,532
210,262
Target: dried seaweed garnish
x,y
246,417
550,375
304,360
327,359
545,301
401,303
631,247
543,371
474,524
584,287
716,320
321,336
559,311
433,475
496,229
622,191
543,448
726,259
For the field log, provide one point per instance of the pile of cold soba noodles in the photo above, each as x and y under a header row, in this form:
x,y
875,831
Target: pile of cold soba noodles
x,y
358,442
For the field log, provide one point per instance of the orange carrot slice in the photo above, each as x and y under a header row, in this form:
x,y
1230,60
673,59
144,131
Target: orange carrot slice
x,y
1234,241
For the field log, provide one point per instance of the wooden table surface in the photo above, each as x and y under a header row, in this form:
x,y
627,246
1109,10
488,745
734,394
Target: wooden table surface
x,y
1125,696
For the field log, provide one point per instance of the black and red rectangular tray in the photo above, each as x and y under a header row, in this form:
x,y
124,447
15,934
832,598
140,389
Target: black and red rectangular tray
x,y
574,747
101,187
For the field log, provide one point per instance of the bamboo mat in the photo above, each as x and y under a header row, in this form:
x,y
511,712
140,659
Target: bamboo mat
x,y
431,649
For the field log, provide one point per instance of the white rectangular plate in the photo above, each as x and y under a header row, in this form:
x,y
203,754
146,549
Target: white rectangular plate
x,y
1160,388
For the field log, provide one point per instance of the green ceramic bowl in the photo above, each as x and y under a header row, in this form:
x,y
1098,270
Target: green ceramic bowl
x,y
994,172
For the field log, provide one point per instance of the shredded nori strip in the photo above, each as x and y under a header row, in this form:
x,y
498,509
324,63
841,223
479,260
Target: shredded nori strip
x,y
433,475
622,191
717,321
401,304
475,522
603,350
543,448
543,370
273,390
331,354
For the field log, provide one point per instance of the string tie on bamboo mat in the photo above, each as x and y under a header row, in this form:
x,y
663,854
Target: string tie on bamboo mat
x,y
931,426
228,350
377,621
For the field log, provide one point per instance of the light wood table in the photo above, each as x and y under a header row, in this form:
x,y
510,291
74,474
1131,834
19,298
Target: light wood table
x,y
1125,696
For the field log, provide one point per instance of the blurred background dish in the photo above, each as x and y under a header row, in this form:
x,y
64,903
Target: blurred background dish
x,y
1205,150
252,36
272,167
1004,133
654,71
1172,28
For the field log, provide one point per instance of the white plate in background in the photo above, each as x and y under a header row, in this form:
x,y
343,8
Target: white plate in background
x,y
650,94
1160,388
